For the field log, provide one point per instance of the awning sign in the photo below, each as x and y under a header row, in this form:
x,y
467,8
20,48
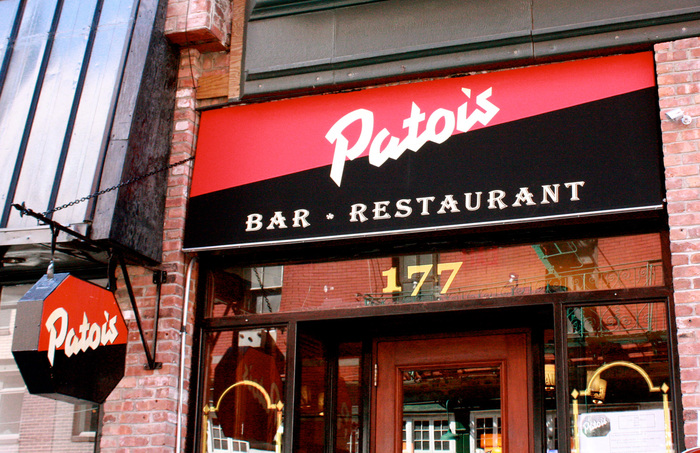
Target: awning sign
x,y
562,140
70,339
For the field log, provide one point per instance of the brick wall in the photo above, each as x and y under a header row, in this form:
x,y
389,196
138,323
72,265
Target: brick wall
x,y
47,425
204,24
141,413
678,75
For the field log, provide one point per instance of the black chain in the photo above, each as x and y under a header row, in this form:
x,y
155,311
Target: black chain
x,y
121,184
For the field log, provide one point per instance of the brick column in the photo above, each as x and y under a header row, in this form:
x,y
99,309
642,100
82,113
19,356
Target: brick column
x,y
678,74
141,413
205,24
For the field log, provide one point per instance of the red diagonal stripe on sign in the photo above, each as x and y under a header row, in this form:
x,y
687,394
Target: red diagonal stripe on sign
x,y
249,143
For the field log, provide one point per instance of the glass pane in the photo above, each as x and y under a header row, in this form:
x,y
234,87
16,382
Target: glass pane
x,y
8,13
17,92
85,420
550,403
478,273
619,378
96,105
54,107
312,398
315,393
455,409
266,277
10,412
349,398
245,390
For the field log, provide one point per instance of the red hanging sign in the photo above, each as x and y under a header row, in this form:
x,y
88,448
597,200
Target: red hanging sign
x,y
70,339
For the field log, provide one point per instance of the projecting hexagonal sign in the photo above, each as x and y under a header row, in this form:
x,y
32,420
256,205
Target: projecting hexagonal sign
x,y
70,339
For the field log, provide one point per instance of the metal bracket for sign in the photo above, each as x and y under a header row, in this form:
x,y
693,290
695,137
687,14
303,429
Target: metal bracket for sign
x,y
152,364
158,278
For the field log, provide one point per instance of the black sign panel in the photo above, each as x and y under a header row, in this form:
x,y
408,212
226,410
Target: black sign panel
x,y
586,158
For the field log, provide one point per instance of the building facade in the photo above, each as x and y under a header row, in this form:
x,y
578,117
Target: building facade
x,y
87,92
414,226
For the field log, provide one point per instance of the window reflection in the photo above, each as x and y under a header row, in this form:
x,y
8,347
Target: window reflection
x,y
455,410
349,398
477,273
245,377
619,378
550,381
316,411
312,399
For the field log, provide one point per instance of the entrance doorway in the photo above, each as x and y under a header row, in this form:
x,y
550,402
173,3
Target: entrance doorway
x,y
457,394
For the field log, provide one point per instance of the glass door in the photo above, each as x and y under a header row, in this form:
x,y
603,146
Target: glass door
x,y
457,394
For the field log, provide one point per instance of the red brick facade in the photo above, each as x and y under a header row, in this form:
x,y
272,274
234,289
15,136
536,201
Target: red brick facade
x,y
141,414
678,76
204,24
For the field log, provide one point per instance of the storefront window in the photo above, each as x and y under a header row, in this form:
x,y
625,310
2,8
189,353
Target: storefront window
x,y
477,273
619,378
312,398
550,401
245,390
11,395
452,409
617,355
85,417
318,407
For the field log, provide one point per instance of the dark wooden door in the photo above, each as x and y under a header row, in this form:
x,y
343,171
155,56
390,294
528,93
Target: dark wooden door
x,y
463,374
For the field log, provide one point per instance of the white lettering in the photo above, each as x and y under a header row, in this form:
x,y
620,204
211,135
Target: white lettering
x,y
590,425
403,208
84,328
465,123
72,345
254,222
448,204
93,339
56,337
356,213
413,140
424,202
448,127
113,333
549,192
496,197
91,335
277,220
380,210
574,189
377,157
108,336
300,216
342,151
468,201
524,196
472,202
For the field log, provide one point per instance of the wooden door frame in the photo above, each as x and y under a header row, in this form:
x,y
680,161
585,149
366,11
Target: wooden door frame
x,y
511,348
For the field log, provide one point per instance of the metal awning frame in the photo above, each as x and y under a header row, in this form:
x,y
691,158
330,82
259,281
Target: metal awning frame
x,y
116,257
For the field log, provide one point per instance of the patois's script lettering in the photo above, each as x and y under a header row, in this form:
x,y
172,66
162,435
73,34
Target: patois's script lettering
x,y
90,335
440,125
